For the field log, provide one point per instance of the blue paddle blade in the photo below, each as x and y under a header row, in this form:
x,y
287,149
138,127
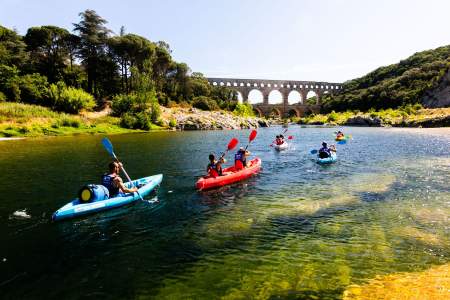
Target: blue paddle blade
x,y
108,146
342,142
314,151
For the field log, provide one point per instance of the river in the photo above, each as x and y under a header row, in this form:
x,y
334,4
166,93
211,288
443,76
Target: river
x,y
296,230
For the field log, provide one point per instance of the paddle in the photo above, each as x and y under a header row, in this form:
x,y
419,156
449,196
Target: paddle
x,y
314,151
231,145
109,147
251,137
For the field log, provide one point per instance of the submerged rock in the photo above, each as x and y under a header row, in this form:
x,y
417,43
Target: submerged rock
x,y
432,284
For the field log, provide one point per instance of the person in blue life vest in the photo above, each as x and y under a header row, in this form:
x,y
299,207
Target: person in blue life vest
x,y
214,168
113,182
324,152
240,159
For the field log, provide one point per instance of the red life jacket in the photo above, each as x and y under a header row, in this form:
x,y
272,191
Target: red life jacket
x,y
213,170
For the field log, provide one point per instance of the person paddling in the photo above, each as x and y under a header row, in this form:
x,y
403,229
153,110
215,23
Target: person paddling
x,y
113,182
214,168
278,140
240,158
339,135
324,152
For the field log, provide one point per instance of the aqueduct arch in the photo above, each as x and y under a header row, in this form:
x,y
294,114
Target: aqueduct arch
x,y
285,87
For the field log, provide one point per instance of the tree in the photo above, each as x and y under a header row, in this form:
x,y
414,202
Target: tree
x,y
49,51
12,48
93,36
162,64
130,51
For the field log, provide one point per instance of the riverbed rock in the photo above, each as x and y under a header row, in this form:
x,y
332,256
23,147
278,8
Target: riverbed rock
x,y
196,119
364,121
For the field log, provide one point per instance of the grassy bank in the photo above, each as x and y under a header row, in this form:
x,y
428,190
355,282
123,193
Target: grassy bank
x,y
17,119
409,116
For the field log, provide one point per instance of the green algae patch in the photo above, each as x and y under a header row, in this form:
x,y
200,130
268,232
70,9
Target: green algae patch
x,y
432,284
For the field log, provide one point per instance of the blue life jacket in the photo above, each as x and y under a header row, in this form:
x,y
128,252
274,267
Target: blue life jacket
x,y
240,156
325,149
108,182
215,167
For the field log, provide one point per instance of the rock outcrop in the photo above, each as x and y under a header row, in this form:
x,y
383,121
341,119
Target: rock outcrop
x,y
440,96
196,119
364,121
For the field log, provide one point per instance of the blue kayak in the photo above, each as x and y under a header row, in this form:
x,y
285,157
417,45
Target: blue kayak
x,y
329,160
75,208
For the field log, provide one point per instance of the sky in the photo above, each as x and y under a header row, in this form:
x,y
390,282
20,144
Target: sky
x,y
311,40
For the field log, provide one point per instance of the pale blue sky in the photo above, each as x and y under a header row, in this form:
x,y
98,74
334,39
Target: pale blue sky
x,y
320,40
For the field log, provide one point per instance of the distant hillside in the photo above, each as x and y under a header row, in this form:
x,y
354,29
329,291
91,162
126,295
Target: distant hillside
x,y
422,78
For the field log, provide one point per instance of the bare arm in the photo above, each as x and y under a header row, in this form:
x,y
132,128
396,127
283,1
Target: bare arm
x,y
119,183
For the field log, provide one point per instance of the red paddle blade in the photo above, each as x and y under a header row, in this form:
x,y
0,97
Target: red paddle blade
x,y
232,143
252,135
290,137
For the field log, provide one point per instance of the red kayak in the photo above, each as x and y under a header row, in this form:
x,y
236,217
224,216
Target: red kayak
x,y
229,176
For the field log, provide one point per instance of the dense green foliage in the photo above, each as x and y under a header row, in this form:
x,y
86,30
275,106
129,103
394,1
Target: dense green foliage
x,y
393,86
50,65
69,99
244,110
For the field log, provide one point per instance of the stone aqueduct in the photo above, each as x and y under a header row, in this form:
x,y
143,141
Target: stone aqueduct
x,y
285,87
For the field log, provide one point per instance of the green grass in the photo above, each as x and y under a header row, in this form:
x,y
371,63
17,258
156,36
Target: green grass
x,y
17,119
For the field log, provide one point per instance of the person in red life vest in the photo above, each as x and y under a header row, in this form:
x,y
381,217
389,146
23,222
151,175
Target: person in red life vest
x,y
113,182
214,168
240,159
278,140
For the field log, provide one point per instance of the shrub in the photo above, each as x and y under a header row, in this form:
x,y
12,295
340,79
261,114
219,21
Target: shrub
x,y
34,89
205,103
244,110
128,120
173,123
69,99
155,112
135,102
2,97
332,117
143,121
122,104
140,120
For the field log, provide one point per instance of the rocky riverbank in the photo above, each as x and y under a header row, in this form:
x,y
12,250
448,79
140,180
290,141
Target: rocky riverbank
x,y
426,118
196,119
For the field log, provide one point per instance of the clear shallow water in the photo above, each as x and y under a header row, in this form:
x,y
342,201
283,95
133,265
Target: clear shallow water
x,y
297,230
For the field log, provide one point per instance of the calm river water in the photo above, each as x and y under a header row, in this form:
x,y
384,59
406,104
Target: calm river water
x,y
297,230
